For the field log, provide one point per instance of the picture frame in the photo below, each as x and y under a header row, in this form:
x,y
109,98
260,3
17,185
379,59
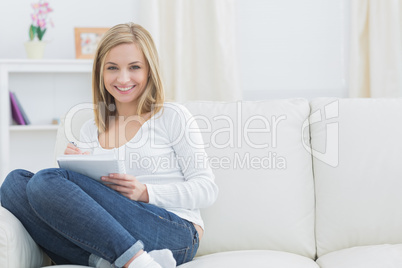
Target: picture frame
x,y
86,41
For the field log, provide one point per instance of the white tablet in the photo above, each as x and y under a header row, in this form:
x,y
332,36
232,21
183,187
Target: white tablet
x,y
93,166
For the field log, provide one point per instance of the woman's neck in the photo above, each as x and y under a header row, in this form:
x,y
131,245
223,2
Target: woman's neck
x,y
127,113
126,109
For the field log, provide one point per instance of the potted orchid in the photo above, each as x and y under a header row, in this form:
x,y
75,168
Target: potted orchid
x,y
35,47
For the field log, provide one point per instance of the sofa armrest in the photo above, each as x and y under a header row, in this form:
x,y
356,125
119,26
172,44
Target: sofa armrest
x,y
17,248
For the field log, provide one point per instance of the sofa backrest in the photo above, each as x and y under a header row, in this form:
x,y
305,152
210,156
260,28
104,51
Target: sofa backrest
x,y
357,144
263,170
264,174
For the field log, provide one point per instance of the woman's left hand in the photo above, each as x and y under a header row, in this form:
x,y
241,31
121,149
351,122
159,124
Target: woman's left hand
x,y
128,186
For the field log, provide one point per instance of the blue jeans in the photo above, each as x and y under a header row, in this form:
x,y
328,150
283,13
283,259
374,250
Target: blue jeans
x,y
76,219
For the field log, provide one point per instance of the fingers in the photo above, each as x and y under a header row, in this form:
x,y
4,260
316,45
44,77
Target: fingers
x,y
124,184
121,176
123,187
71,149
120,179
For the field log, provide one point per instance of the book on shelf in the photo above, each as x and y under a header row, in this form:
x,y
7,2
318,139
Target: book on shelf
x,y
18,113
24,115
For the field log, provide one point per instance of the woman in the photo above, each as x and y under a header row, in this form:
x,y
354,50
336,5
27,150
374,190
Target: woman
x,y
148,217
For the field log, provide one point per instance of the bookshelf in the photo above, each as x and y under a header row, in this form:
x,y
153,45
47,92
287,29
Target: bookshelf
x,y
46,89
15,128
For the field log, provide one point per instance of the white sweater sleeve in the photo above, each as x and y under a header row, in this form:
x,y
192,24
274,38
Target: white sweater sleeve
x,y
198,190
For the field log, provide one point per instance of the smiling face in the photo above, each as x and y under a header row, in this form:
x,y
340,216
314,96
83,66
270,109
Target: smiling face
x,y
125,75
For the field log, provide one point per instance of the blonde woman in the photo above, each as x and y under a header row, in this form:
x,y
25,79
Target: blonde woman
x,y
148,217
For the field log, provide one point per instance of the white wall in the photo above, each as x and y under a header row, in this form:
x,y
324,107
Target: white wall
x,y
287,48
15,21
293,48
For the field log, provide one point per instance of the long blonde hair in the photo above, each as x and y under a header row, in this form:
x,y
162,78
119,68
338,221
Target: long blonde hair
x,y
152,98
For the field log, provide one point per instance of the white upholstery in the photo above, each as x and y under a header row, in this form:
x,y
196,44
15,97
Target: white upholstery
x,y
284,197
66,266
349,214
17,249
258,208
379,256
251,258
359,202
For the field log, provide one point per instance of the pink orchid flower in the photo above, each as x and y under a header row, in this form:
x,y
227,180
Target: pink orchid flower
x,y
42,23
39,19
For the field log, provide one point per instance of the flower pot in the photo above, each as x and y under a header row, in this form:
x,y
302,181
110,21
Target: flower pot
x,y
35,49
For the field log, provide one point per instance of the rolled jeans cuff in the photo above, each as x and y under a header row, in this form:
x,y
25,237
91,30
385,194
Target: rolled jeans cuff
x,y
126,256
94,260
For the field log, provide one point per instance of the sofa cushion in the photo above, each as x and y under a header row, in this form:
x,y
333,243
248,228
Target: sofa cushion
x,y
359,200
66,266
17,249
264,174
266,198
384,256
251,258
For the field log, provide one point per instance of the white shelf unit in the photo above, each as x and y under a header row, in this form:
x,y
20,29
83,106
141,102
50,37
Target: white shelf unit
x,y
46,89
14,128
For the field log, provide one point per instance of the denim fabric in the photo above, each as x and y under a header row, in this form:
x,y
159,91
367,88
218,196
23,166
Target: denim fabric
x,y
73,217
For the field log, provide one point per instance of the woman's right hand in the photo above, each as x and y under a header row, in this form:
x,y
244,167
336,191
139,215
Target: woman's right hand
x,y
72,149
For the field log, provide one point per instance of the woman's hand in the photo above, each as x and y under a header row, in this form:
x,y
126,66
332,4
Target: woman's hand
x,y
72,149
128,186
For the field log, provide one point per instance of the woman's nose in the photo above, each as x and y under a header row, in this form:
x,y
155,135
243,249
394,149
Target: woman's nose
x,y
123,77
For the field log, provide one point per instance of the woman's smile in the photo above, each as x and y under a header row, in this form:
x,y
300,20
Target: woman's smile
x,y
125,89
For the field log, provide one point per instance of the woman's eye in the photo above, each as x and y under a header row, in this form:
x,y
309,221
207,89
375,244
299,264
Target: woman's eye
x,y
134,67
111,68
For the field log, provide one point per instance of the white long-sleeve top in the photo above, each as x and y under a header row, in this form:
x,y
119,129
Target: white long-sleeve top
x,y
167,154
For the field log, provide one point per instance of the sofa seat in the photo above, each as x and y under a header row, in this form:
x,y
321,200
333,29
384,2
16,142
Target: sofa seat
x,y
241,259
66,266
298,181
17,248
384,256
251,258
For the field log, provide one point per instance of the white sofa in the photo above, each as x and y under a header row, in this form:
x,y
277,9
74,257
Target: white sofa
x,y
302,184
